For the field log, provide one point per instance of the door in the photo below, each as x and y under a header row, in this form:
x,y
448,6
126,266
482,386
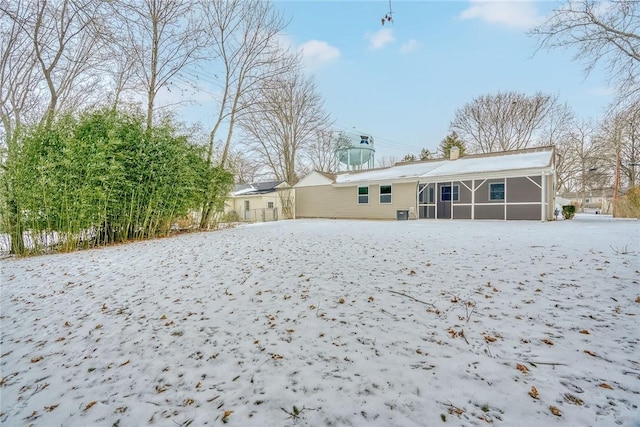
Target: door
x,y
247,211
446,193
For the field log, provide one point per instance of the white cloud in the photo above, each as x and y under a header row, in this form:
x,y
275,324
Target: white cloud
x,y
514,14
409,46
316,53
380,38
603,91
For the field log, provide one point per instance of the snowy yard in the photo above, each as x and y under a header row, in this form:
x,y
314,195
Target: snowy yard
x,y
319,322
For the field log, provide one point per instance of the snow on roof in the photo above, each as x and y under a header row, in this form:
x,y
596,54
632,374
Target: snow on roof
x,y
462,166
246,190
256,188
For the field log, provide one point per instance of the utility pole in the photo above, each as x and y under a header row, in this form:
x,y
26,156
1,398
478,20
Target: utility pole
x,y
616,186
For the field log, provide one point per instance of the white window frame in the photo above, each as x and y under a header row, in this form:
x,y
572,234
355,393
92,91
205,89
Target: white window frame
x,y
452,199
390,194
363,195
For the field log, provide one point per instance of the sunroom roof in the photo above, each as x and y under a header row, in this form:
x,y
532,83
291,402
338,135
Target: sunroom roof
x,y
463,166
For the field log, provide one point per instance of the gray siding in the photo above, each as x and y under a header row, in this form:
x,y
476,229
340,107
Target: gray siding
x,y
525,212
461,212
464,193
489,212
520,190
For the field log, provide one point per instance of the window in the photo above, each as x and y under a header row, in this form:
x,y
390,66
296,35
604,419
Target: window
x,y
445,193
269,205
363,195
385,194
496,191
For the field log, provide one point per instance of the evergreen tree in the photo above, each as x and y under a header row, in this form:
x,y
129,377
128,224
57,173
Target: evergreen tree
x,y
426,154
451,140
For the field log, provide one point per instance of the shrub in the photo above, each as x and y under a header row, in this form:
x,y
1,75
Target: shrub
x,y
629,205
231,216
102,177
568,211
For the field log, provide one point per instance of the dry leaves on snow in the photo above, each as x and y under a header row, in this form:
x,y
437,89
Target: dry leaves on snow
x,y
522,368
573,399
555,411
226,415
534,392
489,338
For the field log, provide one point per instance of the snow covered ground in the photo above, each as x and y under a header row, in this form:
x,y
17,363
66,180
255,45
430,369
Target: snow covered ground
x,y
319,322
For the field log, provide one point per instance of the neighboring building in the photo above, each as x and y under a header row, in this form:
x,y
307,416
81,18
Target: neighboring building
x,y
263,201
507,185
594,200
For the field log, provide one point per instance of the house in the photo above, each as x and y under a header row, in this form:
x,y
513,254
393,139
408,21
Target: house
x,y
593,200
262,201
506,185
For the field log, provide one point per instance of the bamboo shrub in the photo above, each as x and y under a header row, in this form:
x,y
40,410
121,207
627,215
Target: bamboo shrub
x,y
101,178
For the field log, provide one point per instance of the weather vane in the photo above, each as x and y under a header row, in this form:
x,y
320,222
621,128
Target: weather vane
x,y
389,16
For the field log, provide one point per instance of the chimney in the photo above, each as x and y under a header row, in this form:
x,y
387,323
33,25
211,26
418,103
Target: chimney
x,y
454,153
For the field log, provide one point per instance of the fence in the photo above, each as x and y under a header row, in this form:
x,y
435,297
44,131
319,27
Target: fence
x,y
260,215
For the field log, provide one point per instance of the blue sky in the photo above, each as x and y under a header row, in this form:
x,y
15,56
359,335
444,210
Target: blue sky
x,y
402,83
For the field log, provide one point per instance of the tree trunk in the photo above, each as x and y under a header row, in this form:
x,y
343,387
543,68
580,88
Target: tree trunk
x,y
16,229
207,211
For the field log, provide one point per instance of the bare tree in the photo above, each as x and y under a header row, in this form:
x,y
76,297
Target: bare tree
x,y
321,152
160,39
501,122
620,139
285,116
557,130
585,157
386,161
19,75
245,168
601,32
63,50
630,144
244,37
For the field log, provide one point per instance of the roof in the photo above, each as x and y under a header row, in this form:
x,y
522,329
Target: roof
x,y
539,158
256,188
